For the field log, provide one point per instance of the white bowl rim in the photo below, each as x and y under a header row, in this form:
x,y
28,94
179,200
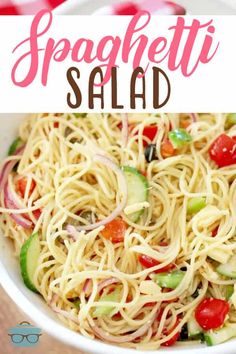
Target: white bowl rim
x,y
64,334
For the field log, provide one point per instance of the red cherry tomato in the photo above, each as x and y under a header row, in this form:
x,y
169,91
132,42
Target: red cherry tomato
x,y
211,313
149,262
149,132
175,337
223,151
160,313
37,213
144,173
115,230
149,304
215,231
21,186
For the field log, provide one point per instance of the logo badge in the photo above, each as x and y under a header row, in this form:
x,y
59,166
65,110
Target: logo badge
x,y
24,335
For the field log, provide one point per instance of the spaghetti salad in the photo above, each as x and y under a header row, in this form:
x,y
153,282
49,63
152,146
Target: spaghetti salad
x,y
125,224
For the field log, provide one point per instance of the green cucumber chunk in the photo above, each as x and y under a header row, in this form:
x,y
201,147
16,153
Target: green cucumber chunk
x,y
29,256
229,290
194,205
14,146
214,337
137,190
230,120
80,115
179,137
106,310
194,330
77,303
169,280
228,269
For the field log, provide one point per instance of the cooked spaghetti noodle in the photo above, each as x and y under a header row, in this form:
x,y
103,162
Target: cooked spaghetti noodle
x,y
67,183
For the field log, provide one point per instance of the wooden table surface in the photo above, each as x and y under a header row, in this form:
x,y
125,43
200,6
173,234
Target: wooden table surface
x,y
10,316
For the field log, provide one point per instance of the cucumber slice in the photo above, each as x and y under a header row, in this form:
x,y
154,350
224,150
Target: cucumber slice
x,y
229,290
80,115
106,310
221,335
29,256
14,146
194,205
137,190
228,269
77,304
230,120
194,330
169,280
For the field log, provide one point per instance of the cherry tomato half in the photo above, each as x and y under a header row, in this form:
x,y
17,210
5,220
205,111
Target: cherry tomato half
x,y
149,262
223,151
115,230
175,337
215,231
21,186
149,132
211,313
37,213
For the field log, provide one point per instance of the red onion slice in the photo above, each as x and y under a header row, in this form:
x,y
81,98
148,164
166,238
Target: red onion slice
x,y
194,117
87,288
106,282
66,314
125,129
11,203
8,166
124,338
123,187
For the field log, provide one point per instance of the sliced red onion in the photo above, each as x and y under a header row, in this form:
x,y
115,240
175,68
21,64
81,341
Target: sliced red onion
x,y
124,338
72,231
66,314
123,187
8,166
106,282
125,129
194,117
54,299
11,203
87,288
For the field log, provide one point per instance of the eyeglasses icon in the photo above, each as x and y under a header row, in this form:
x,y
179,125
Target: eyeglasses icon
x,y
24,335
31,338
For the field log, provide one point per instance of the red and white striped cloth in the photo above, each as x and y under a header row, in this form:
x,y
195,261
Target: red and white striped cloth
x,y
30,7
26,7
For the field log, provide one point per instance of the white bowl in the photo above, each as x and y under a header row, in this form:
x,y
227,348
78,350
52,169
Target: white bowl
x,y
36,308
